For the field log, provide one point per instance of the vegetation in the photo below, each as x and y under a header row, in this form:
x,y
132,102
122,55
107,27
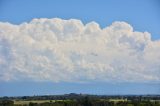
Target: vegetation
x,y
81,100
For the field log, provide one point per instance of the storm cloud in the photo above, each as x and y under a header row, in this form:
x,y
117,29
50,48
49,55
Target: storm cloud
x,y
68,51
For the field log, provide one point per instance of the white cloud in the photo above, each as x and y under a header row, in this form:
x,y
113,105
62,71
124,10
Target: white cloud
x,y
69,51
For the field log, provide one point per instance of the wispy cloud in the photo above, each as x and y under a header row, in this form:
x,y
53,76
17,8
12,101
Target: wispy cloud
x,y
69,51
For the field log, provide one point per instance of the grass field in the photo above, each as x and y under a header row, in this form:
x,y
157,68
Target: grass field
x,y
118,100
26,102
33,101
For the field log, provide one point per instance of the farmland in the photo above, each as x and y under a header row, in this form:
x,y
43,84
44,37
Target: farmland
x,y
82,100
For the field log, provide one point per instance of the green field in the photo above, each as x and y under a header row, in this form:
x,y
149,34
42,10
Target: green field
x,y
81,100
26,102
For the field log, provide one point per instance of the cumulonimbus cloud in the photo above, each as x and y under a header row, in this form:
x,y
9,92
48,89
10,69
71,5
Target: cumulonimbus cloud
x,y
68,51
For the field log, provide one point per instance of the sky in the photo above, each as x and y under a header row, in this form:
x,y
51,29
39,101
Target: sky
x,y
96,47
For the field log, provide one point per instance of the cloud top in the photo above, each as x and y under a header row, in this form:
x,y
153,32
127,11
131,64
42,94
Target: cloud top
x,y
68,51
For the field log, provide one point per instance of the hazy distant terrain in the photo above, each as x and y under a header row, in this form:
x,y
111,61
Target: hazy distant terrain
x,y
82,100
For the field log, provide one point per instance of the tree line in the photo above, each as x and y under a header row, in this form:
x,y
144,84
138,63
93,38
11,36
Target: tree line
x,y
84,100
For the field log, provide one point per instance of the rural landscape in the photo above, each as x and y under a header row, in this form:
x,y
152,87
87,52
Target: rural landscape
x,y
82,100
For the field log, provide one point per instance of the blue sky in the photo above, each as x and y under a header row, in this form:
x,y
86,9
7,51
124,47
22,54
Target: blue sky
x,y
143,15
46,88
